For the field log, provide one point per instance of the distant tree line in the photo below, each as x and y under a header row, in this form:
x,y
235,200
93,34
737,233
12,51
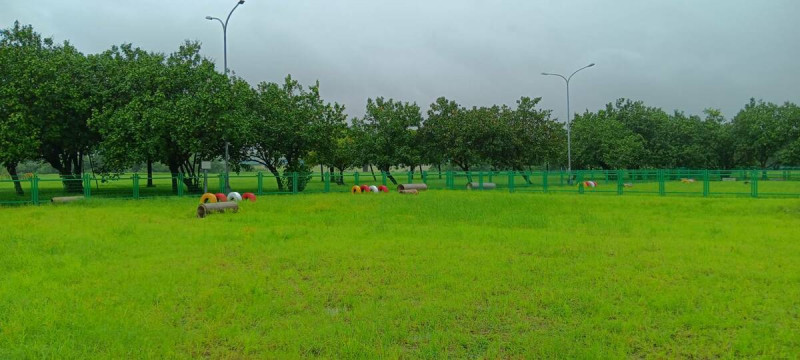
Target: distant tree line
x,y
127,107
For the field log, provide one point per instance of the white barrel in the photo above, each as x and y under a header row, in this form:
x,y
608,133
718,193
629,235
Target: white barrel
x,y
234,196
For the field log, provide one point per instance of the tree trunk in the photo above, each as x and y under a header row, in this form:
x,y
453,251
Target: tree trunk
x,y
465,168
374,178
174,170
69,169
150,173
338,179
321,173
72,182
439,166
389,175
524,176
277,175
12,170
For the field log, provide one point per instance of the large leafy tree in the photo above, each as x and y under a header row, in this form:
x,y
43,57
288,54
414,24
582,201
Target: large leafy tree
x,y
527,136
67,96
452,133
51,96
194,114
342,153
760,131
390,134
601,141
132,79
21,54
790,154
176,110
290,123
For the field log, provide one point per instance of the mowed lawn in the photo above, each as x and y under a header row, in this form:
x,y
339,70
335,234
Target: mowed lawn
x,y
442,274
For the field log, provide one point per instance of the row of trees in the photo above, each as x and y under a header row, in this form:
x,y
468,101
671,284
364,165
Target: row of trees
x,y
127,106
629,134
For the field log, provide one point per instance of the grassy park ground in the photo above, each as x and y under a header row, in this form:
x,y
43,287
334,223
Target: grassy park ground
x,y
442,274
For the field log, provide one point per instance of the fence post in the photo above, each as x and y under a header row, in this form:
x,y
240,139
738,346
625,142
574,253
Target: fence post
x,y
221,183
180,184
754,184
136,186
35,189
260,189
410,177
706,184
620,184
561,175
383,178
579,179
511,181
545,178
294,183
491,176
662,189
356,178
327,179
425,177
480,180
87,186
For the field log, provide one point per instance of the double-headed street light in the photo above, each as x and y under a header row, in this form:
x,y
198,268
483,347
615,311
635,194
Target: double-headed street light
x,y
569,121
225,57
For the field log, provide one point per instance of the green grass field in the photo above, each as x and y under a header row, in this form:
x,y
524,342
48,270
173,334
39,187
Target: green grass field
x,y
441,274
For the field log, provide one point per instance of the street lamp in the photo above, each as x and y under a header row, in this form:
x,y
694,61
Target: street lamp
x,y
225,59
569,121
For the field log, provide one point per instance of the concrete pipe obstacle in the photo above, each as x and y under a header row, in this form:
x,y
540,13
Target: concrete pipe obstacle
x,y
418,187
65,199
234,196
365,189
477,186
355,189
374,189
383,188
208,198
204,210
249,196
409,192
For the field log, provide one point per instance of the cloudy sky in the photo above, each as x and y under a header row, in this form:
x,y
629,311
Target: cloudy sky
x,y
675,54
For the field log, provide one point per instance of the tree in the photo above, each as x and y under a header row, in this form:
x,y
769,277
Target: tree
x,y
527,136
760,132
132,78
790,114
290,122
343,154
65,98
599,140
176,110
389,131
451,133
21,51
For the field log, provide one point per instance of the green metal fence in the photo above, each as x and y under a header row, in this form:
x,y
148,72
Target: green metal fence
x,y
37,189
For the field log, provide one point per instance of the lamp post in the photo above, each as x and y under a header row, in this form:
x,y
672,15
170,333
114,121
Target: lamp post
x,y
225,59
569,121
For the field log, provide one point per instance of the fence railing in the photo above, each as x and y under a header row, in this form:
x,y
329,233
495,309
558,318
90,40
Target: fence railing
x,y
36,189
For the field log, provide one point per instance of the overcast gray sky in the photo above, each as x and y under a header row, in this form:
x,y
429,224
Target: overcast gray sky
x,y
675,54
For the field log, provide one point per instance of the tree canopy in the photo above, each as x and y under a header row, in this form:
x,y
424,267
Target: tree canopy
x,y
127,106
